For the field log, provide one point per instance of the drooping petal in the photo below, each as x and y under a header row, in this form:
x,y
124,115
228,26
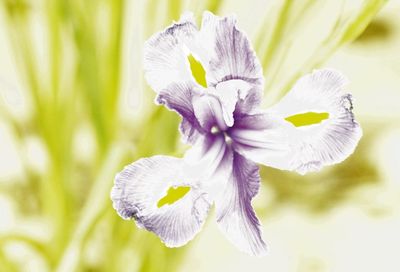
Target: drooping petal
x,y
179,97
140,186
305,148
235,215
165,55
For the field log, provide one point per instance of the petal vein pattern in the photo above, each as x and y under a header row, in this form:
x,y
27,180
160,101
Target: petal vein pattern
x,y
138,189
229,134
309,148
235,215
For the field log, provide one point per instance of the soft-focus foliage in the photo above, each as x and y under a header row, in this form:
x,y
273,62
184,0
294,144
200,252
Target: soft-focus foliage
x,y
74,109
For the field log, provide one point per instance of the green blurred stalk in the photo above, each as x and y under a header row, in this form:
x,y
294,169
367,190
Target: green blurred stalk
x,y
97,201
6,264
342,34
54,199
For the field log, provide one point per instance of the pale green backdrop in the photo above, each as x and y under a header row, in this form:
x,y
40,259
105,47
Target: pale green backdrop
x,y
74,109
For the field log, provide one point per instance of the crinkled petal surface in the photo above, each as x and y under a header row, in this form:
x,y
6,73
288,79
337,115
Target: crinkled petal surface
x,y
306,148
140,186
229,56
232,72
235,215
165,55
228,52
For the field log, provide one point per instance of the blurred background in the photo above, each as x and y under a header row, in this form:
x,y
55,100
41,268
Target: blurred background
x,y
74,109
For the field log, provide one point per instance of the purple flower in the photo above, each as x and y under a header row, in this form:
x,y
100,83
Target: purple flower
x,y
229,134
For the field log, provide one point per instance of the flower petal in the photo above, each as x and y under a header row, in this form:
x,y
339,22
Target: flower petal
x,y
211,159
179,97
262,138
140,186
228,52
216,106
230,93
165,54
235,215
228,57
306,148
208,110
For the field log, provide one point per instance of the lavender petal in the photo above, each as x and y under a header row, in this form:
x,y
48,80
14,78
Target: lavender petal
x,y
232,57
179,97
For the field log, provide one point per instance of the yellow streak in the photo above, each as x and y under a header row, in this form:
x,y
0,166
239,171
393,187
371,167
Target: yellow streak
x,y
173,195
308,118
198,71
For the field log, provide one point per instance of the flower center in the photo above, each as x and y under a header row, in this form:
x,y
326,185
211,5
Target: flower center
x,y
215,131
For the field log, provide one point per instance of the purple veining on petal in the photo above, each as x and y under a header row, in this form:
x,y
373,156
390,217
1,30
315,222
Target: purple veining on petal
x,y
178,97
231,57
228,133
140,185
165,60
209,112
308,148
206,156
249,104
235,59
235,215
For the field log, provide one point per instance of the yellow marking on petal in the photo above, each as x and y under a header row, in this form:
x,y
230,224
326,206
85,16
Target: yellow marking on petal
x,y
198,71
173,195
308,118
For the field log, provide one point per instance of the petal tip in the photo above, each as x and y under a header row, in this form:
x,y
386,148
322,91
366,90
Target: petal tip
x,y
122,207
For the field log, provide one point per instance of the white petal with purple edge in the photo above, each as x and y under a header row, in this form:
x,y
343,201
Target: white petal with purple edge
x,y
309,147
235,215
140,186
165,54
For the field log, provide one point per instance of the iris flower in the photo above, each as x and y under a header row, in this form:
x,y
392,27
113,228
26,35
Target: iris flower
x,y
229,134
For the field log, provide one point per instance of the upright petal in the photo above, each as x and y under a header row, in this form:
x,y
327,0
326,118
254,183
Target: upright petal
x,y
304,148
139,188
165,55
235,215
227,55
